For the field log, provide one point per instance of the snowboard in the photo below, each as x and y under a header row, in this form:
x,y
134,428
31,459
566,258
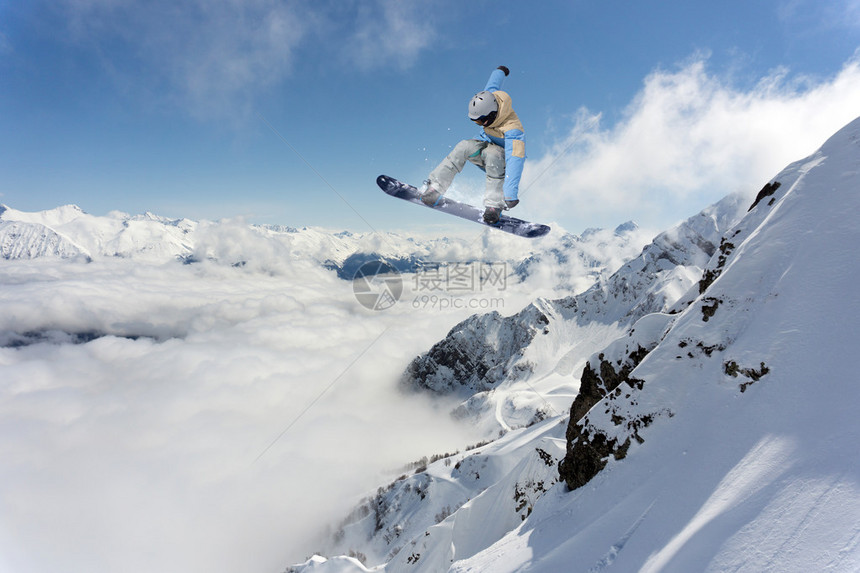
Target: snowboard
x,y
507,224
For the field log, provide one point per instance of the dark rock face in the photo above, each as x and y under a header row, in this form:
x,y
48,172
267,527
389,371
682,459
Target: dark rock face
x,y
711,274
588,450
766,191
595,386
473,357
589,457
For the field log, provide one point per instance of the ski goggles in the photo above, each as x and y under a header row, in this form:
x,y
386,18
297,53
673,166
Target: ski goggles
x,y
486,120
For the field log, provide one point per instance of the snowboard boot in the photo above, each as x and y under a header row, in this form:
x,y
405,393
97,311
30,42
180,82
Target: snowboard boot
x,y
429,196
491,215
511,204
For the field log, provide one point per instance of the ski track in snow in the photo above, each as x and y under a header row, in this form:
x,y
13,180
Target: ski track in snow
x,y
613,552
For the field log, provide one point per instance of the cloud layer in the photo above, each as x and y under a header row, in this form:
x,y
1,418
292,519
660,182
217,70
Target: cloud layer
x,y
155,449
390,31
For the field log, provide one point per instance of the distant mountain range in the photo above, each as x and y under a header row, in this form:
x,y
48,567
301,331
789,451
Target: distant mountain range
x,y
69,233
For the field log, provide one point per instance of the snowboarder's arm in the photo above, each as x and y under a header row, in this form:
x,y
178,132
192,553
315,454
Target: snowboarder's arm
x,y
515,142
515,158
496,78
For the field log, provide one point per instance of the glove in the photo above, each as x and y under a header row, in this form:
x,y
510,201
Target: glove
x,y
511,204
504,69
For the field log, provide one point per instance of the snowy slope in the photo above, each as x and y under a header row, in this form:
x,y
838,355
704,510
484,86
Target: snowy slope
x,y
69,232
453,508
717,435
750,460
512,372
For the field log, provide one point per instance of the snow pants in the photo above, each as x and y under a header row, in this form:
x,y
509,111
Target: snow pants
x,y
490,158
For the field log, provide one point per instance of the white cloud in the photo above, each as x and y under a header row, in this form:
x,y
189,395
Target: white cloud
x,y
688,139
206,56
390,32
213,58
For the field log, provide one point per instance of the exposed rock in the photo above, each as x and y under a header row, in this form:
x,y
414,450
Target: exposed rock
x,y
588,450
709,307
766,191
731,368
474,355
711,274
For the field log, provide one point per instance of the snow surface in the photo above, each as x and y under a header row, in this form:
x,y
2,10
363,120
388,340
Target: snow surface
x,y
68,232
751,459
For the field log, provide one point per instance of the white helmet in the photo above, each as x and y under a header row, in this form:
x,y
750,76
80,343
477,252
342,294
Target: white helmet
x,y
483,108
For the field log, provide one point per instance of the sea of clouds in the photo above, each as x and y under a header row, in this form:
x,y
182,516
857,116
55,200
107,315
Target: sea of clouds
x,y
216,419
219,415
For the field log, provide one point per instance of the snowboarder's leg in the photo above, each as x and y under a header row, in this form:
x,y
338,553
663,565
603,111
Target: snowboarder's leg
x,y
494,166
441,178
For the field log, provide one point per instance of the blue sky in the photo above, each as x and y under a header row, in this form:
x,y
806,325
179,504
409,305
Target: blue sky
x,y
645,110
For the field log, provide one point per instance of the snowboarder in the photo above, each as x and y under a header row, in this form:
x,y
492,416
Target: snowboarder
x,y
499,151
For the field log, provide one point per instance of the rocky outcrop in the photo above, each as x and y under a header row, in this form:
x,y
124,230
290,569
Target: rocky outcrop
x,y
477,353
608,385
607,380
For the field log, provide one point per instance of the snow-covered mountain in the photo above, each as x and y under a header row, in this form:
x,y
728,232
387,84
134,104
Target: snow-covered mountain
x,y
702,402
70,233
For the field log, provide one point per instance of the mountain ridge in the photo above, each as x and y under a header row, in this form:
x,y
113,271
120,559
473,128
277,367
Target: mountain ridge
x,y
68,232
